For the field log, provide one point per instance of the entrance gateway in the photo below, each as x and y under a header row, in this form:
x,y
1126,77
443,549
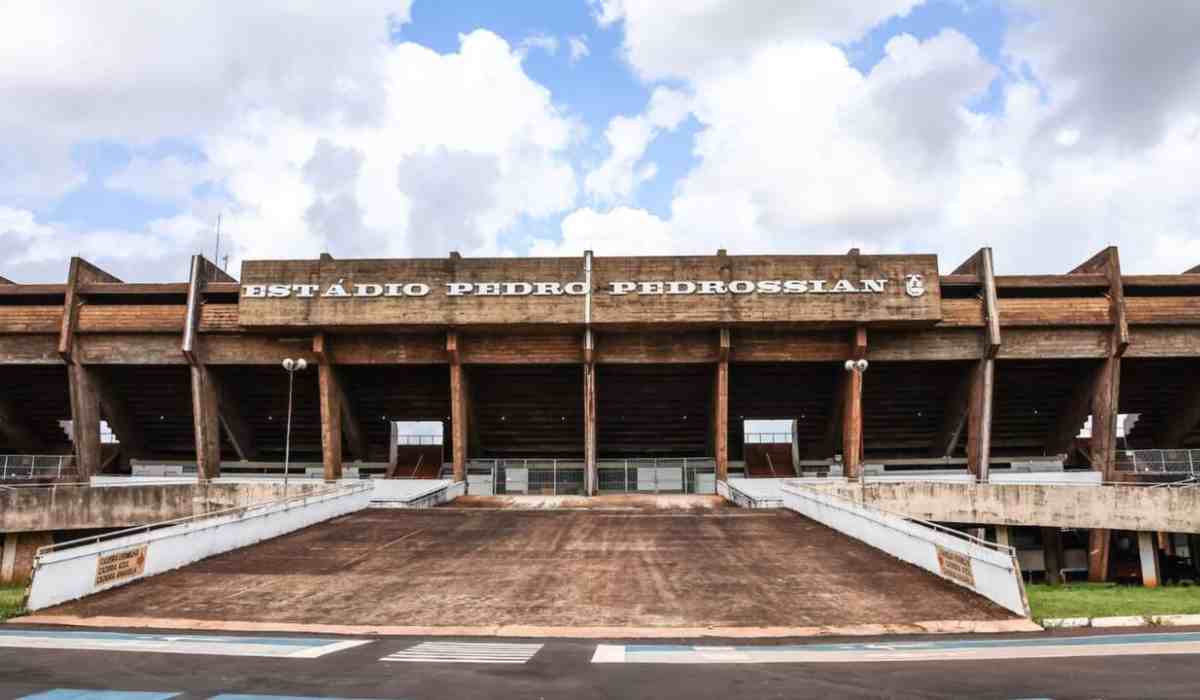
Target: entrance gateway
x,y
595,374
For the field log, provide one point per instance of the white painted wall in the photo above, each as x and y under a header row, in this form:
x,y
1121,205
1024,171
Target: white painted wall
x,y
415,493
995,571
1084,478
68,574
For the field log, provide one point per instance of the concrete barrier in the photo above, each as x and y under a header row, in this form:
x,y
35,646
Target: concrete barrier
x,y
113,504
985,568
1110,506
415,493
75,569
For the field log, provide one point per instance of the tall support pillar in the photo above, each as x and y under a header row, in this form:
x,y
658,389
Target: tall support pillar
x,y
206,419
979,419
85,420
206,395
1098,553
1003,536
1148,556
331,410
591,468
720,407
458,407
1052,548
852,408
82,383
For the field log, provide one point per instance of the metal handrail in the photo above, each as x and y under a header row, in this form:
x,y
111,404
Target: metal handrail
x,y
768,438
25,466
338,489
920,521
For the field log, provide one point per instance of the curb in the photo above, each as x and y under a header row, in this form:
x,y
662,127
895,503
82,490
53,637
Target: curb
x,y
1127,621
929,627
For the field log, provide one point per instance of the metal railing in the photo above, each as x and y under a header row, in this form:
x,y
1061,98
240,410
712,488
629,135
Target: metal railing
x,y
768,438
563,477
1177,462
35,466
409,440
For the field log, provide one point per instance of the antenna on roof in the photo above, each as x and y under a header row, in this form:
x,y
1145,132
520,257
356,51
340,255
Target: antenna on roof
x,y
217,248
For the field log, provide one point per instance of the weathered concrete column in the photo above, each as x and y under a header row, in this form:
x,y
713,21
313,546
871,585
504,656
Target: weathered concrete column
x,y
18,552
85,420
1052,548
206,422
591,468
1148,557
1003,536
979,419
852,408
1098,552
720,407
459,409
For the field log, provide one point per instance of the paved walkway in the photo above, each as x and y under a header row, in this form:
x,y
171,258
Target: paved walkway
x,y
460,567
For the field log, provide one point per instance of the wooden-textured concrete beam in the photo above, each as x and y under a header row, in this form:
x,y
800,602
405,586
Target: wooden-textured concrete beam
x,y
720,407
981,265
591,485
85,420
852,409
206,422
81,272
459,410
1108,263
979,418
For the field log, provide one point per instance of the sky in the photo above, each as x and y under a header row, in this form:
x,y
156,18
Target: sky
x,y
1046,129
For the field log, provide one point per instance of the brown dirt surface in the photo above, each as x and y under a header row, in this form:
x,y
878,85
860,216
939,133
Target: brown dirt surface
x,y
443,567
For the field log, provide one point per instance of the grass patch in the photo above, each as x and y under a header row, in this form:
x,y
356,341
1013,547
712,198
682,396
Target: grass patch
x,y
1111,600
12,601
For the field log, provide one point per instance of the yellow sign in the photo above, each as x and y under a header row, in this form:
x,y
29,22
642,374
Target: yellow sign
x,y
956,567
121,565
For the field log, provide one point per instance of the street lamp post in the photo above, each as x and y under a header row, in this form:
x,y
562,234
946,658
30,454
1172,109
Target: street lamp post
x,y
857,368
291,366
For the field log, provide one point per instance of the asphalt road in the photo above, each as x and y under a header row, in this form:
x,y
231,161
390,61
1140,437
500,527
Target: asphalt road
x,y
939,667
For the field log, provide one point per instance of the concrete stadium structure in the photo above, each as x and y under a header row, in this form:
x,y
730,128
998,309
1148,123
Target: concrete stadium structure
x,y
587,368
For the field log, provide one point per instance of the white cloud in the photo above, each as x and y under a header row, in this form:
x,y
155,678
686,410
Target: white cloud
x,y
798,151
608,234
618,176
690,39
542,42
578,46
135,72
456,149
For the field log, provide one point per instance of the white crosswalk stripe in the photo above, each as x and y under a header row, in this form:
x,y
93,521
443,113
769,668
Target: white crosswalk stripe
x,y
467,653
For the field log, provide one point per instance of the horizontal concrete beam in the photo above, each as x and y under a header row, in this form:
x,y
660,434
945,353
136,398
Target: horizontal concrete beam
x,y
1139,508
35,509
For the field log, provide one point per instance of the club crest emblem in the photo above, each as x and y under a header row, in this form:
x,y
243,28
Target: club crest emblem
x,y
914,285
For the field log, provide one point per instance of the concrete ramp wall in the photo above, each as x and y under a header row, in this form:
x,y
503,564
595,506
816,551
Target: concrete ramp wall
x,y
75,569
990,570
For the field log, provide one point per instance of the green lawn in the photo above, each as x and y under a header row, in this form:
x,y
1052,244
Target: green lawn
x,y
1111,600
12,601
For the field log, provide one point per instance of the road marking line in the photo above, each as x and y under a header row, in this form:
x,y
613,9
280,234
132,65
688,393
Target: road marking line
x,y
276,647
86,694
466,652
1093,646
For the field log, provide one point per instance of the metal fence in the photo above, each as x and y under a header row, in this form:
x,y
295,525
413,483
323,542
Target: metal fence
x,y
565,477
1174,462
768,438
35,466
409,440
